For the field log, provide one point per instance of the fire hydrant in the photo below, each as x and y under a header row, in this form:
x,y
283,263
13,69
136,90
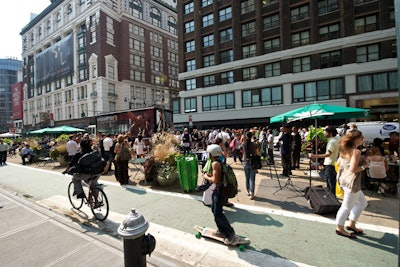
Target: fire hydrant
x,y
136,244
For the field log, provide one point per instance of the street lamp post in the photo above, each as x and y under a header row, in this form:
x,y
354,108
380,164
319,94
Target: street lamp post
x,y
34,120
130,102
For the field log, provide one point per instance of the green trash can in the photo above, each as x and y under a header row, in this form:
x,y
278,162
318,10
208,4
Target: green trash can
x,y
187,172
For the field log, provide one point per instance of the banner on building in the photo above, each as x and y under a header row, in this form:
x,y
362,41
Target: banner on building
x,y
55,62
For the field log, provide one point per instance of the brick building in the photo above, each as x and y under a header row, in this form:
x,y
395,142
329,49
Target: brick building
x,y
82,58
242,62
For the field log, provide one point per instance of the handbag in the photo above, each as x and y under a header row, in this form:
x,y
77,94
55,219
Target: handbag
x,y
255,162
339,192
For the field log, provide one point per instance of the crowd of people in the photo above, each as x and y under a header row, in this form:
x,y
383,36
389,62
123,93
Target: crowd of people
x,y
342,158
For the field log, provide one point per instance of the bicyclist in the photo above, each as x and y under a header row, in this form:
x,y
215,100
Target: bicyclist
x,y
76,170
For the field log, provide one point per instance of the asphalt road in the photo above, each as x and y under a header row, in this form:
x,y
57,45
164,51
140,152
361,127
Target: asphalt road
x,y
296,236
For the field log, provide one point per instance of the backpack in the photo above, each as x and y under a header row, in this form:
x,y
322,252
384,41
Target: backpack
x,y
229,187
91,163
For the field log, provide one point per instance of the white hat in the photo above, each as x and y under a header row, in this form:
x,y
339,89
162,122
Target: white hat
x,y
214,150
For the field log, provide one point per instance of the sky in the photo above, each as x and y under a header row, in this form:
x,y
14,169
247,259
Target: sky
x,y
14,16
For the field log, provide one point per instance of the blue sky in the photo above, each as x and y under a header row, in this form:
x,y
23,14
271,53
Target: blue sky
x,y
13,17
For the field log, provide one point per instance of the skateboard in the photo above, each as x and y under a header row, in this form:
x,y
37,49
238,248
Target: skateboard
x,y
210,233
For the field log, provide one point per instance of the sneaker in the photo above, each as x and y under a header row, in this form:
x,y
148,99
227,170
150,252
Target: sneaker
x,y
229,239
81,195
98,205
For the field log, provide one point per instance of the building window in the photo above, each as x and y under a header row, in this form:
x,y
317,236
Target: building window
x,y
366,24
271,22
326,6
110,30
205,3
300,38
208,40
227,77
329,32
190,46
155,51
188,8
377,82
208,61
262,97
249,51
318,90
137,75
156,66
299,13
249,73
138,45
176,106
248,28
190,84
272,69
155,17
172,25
208,20
367,53
301,64
138,61
247,6
189,26
172,57
225,35
225,14
272,45
209,80
226,56
190,65
136,8
330,59
190,104
219,102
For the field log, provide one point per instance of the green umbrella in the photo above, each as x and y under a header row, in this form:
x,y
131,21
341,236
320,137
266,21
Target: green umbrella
x,y
39,131
319,111
63,129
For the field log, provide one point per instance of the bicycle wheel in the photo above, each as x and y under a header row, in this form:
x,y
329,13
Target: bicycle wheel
x,y
75,202
99,204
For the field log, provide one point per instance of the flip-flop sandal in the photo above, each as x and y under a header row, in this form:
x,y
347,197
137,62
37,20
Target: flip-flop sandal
x,y
356,231
351,236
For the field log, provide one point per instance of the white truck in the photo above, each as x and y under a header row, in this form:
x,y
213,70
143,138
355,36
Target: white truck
x,y
374,129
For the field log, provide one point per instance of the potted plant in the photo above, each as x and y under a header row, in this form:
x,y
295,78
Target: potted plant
x,y
162,163
59,153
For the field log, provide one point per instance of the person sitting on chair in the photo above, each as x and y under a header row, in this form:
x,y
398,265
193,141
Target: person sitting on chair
x,y
378,166
27,152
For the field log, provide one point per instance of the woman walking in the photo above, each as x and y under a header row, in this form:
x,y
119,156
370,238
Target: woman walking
x,y
349,173
249,149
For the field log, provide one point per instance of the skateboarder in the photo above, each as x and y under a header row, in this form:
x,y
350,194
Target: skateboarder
x,y
224,228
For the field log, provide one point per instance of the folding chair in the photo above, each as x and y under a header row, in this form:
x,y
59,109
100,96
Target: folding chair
x,y
138,165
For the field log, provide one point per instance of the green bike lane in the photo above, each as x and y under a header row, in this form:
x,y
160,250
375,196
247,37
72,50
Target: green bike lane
x,y
296,237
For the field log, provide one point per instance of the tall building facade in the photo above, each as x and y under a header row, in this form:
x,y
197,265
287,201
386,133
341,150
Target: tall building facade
x,y
82,58
9,69
242,62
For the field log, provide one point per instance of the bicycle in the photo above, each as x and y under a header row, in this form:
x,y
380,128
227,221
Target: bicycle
x,y
95,198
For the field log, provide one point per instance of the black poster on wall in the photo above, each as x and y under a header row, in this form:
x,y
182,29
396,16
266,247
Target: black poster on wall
x,y
55,62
